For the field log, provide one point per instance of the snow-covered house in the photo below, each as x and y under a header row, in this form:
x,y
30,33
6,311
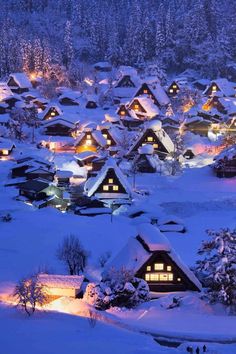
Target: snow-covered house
x,y
91,102
19,83
38,189
150,256
90,140
6,147
57,126
103,66
174,88
225,163
144,107
109,184
51,111
155,92
225,87
126,85
57,286
145,161
27,163
70,98
153,134
110,134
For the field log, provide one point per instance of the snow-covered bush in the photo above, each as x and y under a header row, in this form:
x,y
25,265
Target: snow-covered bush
x,y
6,218
118,288
217,268
29,294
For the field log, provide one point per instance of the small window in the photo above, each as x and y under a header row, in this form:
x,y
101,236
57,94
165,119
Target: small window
x,y
122,113
178,279
155,146
115,188
214,88
145,91
108,142
171,90
148,268
136,107
105,188
169,268
105,135
88,136
158,266
175,86
110,180
147,277
149,138
89,142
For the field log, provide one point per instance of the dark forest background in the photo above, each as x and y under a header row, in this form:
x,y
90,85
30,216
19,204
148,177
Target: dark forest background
x,y
175,34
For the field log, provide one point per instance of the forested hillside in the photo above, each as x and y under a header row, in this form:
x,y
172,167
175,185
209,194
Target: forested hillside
x,y
176,34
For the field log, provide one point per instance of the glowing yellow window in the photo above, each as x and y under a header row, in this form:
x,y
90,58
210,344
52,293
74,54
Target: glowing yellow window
x,y
122,113
136,107
164,277
115,188
154,276
171,90
158,266
110,180
88,142
169,268
105,188
170,277
5,152
149,138
105,135
178,279
88,136
155,146
147,277
214,88
145,91
53,113
108,142
148,268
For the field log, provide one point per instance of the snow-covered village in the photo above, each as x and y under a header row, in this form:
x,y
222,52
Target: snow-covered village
x,y
118,176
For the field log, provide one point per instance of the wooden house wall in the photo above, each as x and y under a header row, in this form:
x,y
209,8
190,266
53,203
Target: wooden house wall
x,y
110,174
125,82
144,140
57,129
162,257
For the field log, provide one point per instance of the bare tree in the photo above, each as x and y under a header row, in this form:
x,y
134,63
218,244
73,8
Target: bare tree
x,y
30,293
72,253
102,260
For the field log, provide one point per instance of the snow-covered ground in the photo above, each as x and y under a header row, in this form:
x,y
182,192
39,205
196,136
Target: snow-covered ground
x,y
30,240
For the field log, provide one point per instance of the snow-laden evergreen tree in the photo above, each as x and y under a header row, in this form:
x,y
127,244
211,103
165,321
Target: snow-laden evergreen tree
x,y
68,45
217,267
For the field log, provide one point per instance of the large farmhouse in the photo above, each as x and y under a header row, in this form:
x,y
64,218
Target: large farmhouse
x,y
152,258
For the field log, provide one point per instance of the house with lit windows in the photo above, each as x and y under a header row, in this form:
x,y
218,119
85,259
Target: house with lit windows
x,y
109,184
90,140
153,134
58,126
110,134
155,92
225,87
6,147
144,107
51,111
150,256
174,88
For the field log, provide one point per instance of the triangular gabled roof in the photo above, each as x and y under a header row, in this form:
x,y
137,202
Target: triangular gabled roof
x,y
58,120
21,80
151,110
158,93
93,183
161,135
139,249
96,134
226,87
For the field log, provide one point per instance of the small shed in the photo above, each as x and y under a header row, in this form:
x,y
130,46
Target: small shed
x,y
62,285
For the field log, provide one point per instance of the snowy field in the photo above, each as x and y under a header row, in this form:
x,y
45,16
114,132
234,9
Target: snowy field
x,y
30,240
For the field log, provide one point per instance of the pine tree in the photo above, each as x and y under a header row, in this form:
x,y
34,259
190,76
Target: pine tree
x,y
218,267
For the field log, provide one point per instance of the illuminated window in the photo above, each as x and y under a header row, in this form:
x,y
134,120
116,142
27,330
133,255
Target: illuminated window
x,y
214,88
88,142
145,91
149,138
122,113
158,266
105,135
110,180
175,86
88,136
105,188
154,276
169,268
171,90
108,142
115,188
148,268
136,107
177,91
178,279
53,114
147,277
155,146
5,152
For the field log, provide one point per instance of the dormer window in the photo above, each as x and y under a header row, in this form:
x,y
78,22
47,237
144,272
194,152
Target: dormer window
x,y
105,135
214,88
145,91
174,86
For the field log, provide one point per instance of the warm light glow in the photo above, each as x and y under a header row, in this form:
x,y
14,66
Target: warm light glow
x,y
214,88
5,152
171,90
136,107
110,180
105,188
160,277
158,266
53,114
145,91
148,268
88,142
108,142
115,188
169,268
150,138
105,135
155,146
122,113
33,76
175,86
